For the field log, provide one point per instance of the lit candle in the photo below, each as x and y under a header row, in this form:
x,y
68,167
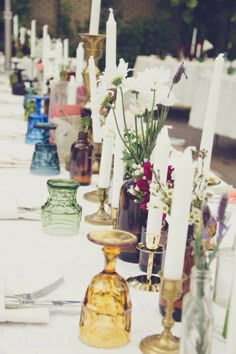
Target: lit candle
x,y
179,218
111,41
65,51
15,27
79,62
94,17
231,340
118,170
208,131
94,105
33,38
193,43
106,160
160,158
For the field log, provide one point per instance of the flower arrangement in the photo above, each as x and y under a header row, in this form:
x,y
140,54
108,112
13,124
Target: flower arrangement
x,y
144,114
146,185
204,249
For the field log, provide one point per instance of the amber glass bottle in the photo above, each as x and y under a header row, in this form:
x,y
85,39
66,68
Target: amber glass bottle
x,y
131,218
81,160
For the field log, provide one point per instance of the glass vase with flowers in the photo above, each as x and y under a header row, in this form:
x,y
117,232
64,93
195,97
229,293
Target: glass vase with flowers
x,y
164,191
145,100
197,319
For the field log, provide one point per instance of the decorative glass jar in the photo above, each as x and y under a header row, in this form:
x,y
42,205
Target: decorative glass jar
x,y
61,214
81,160
197,319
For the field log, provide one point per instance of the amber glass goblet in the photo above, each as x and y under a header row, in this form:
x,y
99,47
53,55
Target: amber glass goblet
x,y
105,318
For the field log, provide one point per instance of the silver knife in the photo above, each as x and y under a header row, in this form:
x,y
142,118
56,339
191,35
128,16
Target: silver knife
x,y
42,303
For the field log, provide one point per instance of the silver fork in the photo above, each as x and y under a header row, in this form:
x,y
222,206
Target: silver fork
x,y
39,293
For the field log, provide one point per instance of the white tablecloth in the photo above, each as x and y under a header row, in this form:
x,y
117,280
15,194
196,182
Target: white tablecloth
x,y
30,259
225,119
185,90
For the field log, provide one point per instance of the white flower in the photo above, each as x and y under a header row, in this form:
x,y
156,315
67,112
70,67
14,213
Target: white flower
x,y
165,208
154,78
114,77
137,173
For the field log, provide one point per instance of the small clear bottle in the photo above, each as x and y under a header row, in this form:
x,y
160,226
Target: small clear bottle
x,y
197,317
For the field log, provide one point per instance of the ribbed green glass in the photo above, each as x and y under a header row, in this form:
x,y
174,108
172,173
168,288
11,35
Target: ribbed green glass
x,y
61,214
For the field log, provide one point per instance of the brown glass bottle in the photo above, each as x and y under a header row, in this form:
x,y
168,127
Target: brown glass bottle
x,y
131,218
81,160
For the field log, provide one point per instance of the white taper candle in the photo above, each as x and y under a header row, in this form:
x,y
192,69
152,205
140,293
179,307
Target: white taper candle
x,y
208,131
94,17
179,218
111,41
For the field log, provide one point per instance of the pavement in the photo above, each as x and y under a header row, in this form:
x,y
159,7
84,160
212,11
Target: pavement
x,y
223,162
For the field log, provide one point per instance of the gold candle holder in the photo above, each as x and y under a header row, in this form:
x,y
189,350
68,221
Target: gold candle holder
x,y
165,343
101,217
146,282
93,46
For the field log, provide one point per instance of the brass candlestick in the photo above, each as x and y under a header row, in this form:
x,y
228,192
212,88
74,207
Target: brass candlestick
x,y
147,282
93,46
165,343
114,217
101,217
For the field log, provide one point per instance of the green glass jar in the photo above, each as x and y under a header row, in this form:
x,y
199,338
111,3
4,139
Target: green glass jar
x,y
61,214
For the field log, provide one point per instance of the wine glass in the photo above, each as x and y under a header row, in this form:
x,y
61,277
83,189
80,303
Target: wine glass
x,y
105,318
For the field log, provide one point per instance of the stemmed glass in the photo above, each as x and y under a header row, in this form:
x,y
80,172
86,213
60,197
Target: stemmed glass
x,y
105,318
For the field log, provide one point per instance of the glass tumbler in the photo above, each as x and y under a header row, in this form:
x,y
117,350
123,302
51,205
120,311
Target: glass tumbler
x,y
61,214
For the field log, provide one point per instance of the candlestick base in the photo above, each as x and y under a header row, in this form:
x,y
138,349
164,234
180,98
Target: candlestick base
x,y
147,282
101,217
141,282
165,343
92,197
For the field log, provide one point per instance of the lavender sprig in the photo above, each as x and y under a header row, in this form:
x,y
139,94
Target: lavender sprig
x,y
178,75
221,216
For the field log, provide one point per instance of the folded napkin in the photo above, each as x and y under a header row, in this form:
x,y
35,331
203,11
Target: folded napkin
x,y
10,210
36,315
29,315
15,154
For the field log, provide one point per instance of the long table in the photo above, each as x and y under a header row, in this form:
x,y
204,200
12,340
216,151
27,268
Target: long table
x,y
29,259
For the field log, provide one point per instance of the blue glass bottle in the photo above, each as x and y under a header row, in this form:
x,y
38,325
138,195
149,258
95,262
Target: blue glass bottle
x,y
33,134
45,160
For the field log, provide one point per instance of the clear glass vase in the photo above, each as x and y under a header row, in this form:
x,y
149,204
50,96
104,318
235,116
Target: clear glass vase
x,y
197,316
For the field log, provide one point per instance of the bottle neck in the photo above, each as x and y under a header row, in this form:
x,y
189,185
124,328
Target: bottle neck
x,y
200,283
83,136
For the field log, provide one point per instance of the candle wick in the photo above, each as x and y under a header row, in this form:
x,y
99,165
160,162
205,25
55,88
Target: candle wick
x,y
111,10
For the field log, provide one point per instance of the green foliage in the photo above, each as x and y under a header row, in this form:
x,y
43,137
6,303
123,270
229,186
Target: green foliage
x,y
63,25
23,10
146,36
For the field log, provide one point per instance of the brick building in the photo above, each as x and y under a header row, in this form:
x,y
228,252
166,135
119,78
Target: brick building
x,y
46,11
